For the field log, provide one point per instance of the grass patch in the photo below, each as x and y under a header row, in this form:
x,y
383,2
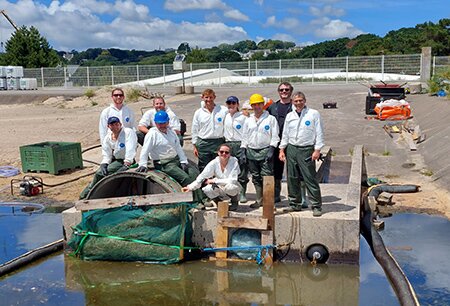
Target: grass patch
x,y
350,151
391,176
94,103
386,153
426,172
89,93
133,95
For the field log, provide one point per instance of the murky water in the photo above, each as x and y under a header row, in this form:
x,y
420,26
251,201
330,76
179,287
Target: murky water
x,y
65,280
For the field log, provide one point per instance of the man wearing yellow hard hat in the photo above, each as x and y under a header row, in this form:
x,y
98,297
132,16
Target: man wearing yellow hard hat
x,y
261,139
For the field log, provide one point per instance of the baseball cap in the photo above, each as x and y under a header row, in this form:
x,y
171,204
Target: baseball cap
x,y
232,99
113,119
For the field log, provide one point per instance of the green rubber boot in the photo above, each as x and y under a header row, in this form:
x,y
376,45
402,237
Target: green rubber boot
x,y
259,197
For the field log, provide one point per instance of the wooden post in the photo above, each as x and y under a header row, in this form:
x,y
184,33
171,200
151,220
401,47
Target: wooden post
x,y
222,231
268,213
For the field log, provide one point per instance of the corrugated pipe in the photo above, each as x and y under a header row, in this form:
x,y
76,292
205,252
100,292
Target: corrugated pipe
x,y
402,287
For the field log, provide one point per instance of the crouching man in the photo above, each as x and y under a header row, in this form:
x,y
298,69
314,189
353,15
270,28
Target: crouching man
x,y
118,151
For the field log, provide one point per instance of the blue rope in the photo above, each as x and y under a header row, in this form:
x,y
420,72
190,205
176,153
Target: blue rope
x,y
240,248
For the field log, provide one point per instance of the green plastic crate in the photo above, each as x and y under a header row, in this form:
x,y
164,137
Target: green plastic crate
x,y
52,157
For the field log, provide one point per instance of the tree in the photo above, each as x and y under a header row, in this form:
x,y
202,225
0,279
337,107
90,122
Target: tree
x,y
29,49
245,46
184,48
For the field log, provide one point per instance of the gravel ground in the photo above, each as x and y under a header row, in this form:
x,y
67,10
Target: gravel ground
x,y
31,118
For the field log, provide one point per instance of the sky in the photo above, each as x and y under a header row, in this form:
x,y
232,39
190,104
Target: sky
x,y
162,24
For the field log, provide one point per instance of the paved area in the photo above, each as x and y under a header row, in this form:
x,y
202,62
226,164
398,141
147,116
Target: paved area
x,y
345,127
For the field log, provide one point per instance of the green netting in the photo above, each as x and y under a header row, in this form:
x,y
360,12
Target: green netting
x,y
146,233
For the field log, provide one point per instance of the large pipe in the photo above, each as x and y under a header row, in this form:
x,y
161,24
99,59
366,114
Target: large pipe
x,y
130,183
30,256
402,287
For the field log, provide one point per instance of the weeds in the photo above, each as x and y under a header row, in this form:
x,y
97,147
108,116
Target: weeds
x,y
386,153
133,95
426,172
89,93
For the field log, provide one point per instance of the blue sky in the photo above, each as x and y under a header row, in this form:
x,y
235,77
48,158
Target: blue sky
x,y
161,24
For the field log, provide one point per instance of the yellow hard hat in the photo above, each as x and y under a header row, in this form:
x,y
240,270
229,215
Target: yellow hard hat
x,y
256,98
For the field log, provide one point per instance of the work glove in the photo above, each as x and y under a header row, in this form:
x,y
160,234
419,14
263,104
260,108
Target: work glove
x,y
123,168
104,169
185,167
243,156
270,153
141,169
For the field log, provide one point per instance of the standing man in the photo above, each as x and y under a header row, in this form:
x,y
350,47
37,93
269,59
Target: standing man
x,y
118,151
116,109
234,125
147,122
162,144
279,110
207,129
261,139
302,139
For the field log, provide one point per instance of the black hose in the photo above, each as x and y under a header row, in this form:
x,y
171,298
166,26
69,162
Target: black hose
x,y
91,147
30,256
402,287
392,188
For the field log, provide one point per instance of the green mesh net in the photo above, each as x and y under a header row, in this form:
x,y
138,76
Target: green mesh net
x,y
156,234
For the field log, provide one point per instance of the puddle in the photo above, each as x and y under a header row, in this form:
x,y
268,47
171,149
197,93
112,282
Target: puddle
x,y
61,279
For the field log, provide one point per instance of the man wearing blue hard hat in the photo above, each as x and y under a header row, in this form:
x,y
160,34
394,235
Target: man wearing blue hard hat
x,y
162,145
118,151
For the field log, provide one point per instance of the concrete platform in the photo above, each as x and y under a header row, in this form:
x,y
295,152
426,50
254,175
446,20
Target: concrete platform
x,y
337,229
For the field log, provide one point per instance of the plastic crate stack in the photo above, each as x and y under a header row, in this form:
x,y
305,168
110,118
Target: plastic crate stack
x,y
11,78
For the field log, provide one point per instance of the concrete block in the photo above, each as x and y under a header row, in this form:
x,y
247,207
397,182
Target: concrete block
x,y
70,217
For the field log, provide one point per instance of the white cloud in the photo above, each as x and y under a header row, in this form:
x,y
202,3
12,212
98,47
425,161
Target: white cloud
x,y
184,5
283,37
327,10
74,25
236,15
271,21
131,11
288,23
259,2
337,28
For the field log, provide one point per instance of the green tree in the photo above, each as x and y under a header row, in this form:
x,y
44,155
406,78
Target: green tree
x,y
184,48
245,46
29,49
197,55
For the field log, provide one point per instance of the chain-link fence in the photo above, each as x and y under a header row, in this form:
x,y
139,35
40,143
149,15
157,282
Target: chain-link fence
x,y
440,63
333,70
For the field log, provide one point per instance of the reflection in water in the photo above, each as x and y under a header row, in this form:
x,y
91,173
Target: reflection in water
x,y
223,283
64,280
22,233
421,246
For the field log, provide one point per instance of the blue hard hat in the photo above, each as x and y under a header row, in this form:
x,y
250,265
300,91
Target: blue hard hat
x,y
161,117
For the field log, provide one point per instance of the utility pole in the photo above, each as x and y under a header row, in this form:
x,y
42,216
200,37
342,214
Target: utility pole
x,y
3,12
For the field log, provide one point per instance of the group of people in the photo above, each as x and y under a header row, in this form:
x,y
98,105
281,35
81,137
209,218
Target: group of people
x,y
230,144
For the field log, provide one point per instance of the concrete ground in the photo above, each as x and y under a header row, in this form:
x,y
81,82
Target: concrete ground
x,y
387,158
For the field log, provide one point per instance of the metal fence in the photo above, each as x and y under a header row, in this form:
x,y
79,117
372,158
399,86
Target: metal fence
x,y
303,70
440,63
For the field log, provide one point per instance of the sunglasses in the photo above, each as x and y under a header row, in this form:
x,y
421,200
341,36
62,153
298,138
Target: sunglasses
x,y
284,89
224,152
117,95
230,102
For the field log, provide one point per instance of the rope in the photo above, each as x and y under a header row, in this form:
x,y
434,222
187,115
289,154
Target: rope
x,y
7,171
259,258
